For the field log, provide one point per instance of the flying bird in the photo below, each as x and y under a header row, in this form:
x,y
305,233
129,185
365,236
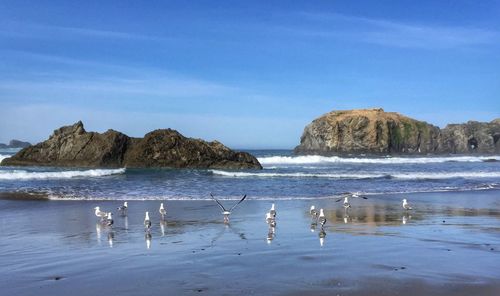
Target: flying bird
x,y
225,212
162,211
147,222
406,205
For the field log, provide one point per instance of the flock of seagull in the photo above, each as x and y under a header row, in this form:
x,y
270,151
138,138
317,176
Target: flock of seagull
x,y
106,218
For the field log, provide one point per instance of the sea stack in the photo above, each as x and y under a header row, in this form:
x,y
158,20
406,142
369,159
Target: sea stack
x,y
72,146
374,131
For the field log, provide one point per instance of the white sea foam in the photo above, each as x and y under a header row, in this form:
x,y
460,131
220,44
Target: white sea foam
x,y
403,176
317,159
4,156
27,175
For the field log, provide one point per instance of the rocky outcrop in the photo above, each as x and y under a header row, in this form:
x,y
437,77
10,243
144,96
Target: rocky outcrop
x,y
373,131
75,147
15,144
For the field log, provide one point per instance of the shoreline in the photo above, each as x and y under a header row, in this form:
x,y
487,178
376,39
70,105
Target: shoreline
x,y
34,195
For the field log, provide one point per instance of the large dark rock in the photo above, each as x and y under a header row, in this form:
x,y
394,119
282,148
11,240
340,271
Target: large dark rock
x,y
15,144
374,131
73,146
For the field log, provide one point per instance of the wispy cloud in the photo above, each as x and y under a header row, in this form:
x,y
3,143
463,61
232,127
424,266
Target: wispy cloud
x,y
391,33
35,30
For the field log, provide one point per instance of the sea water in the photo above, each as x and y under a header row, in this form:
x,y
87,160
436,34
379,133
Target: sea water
x,y
285,176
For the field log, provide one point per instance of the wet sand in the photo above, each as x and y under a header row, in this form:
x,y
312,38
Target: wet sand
x,y
448,245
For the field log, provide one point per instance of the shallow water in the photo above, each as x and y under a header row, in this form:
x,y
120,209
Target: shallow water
x,y
284,177
450,243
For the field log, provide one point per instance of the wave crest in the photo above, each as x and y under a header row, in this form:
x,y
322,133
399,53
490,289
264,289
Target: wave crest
x,y
402,176
317,159
27,175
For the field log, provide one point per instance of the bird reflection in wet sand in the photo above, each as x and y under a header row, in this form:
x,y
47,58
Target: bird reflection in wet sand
x,y
163,225
346,217
313,226
111,236
148,238
322,235
125,223
98,228
406,218
270,234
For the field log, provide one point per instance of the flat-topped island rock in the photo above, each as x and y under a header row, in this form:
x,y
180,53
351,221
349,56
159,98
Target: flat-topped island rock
x,y
374,131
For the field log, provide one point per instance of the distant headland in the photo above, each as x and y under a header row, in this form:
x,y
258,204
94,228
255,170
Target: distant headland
x,y
374,131
72,146
15,144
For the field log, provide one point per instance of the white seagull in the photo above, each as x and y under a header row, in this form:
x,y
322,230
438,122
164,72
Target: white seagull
x,y
273,211
162,211
123,208
147,222
406,205
313,212
270,220
347,195
225,212
109,220
322,218
100,213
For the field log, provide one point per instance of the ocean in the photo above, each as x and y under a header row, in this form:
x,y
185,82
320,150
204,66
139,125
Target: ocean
x,y
285,176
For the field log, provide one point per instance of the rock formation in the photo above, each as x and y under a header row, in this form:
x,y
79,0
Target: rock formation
x,y
73,146
373,131
15,144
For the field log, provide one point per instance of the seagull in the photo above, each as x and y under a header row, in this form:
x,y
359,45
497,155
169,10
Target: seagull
x,y
270,220
147,222
347,195
313,212
322,219
225,212
123,208
346,203
273,211
162,211
109,220
99,213
406,205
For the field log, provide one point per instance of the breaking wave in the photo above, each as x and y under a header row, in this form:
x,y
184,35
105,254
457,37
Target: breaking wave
x,y
27,175
402,176
4,156
317,159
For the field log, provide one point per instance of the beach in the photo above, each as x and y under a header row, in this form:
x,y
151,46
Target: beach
x,y
449,244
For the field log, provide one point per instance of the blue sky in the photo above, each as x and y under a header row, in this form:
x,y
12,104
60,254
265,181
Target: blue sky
x,y
250,74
